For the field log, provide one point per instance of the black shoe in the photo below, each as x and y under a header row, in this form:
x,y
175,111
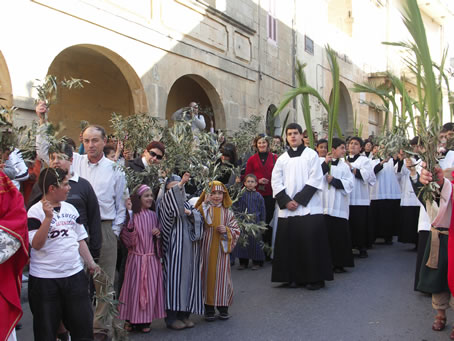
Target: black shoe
x,y
224,316
363,254
210,317
339,270
388,242
315,285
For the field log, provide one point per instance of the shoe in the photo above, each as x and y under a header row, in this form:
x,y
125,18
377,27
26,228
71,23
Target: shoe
x,y
63,336
224,316
145,329
439,323
292,285
177,325
128,327
339,270
255,267
188,323
315,285
388,242
242,267
210,317
363,254
100,337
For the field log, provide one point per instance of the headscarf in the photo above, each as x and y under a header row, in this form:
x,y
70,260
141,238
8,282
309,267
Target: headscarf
x,y
216,186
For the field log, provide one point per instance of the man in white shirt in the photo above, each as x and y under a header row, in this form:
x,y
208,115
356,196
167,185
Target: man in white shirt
x,y
109,184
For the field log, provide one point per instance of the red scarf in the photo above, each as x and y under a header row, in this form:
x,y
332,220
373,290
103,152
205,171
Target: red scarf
x,y
13,220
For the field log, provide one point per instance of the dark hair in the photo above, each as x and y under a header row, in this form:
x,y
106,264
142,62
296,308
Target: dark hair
x,y
357,138
51,177
368,141
278,137
293,126
70,142
319,142
108,148
337,142
250,175
63,148
96,127
229,150
448,127
157,145
416,141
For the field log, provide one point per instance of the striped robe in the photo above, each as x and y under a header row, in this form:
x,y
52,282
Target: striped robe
x,y
217,280
142,293
181,244
252,202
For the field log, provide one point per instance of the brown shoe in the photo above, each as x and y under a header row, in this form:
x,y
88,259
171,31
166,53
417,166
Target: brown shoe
x,y
439,323
177,325
100,337
188,323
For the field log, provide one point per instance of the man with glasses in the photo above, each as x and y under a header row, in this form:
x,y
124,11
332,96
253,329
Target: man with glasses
x,y
152,155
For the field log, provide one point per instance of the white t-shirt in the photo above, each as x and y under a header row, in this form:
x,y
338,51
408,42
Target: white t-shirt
x,y
59,257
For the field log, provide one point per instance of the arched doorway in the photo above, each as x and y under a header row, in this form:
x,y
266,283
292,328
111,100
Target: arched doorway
x,y
114,87
6,91
194,88
345,115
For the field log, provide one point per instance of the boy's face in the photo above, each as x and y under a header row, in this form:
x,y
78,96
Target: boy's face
x,y
294,138
322,149
339,152
354,147
60,161
111,155
216,197
250,183
60,193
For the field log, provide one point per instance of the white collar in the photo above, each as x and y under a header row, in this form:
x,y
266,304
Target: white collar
x,y
144,161
75,177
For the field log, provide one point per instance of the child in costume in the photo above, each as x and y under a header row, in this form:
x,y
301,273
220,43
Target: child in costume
x,y
251,202
142,293
219,238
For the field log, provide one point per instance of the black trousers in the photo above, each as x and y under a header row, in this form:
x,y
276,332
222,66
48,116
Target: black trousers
x,y
61,299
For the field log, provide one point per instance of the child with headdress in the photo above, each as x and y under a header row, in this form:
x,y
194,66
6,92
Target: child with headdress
x,y
142,293
220,235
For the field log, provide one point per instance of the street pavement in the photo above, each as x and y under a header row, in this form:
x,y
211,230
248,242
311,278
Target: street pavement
x,y
373,301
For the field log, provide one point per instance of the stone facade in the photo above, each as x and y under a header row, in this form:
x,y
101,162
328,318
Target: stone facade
x,y
235,56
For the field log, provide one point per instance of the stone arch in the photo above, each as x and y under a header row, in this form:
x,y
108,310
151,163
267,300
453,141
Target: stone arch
x,y
345,115
6,90
194,88
114,87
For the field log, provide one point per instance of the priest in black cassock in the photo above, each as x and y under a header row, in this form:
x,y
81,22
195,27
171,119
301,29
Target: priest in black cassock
x,y
301,250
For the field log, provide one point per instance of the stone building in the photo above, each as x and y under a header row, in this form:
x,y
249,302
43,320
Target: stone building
x,y
234,56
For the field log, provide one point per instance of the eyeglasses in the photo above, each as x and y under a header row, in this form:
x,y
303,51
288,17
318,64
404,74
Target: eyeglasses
x,y
157,156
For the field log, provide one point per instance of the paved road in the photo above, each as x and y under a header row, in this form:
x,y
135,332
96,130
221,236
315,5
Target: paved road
x,y
373,301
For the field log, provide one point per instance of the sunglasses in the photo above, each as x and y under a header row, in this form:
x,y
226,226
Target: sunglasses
x,y
157,156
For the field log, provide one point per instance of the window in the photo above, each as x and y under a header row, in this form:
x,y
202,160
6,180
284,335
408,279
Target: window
x,y
308,45
272,22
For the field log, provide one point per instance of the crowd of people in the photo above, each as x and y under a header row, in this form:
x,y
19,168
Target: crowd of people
x,y
166,250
